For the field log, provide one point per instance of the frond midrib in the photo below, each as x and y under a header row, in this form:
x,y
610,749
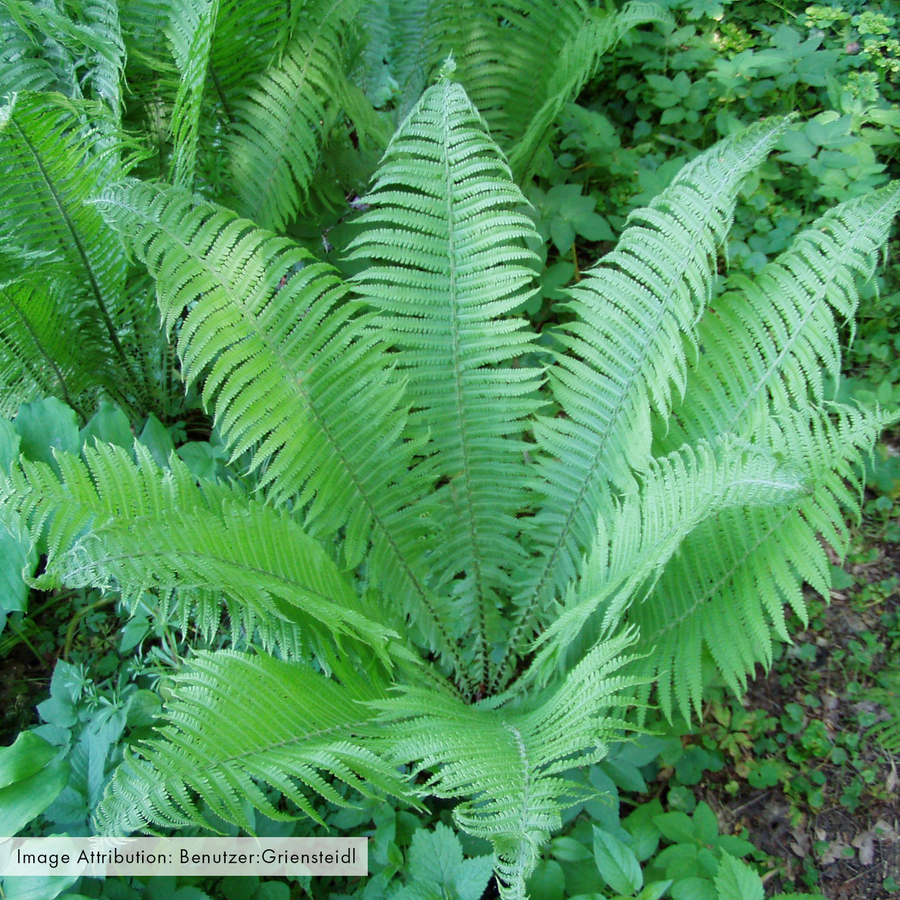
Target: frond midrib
x,y
79,246
711,589
461,418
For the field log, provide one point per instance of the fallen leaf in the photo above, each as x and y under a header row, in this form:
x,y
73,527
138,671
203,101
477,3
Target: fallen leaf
x,y
865,844
885,832
833,853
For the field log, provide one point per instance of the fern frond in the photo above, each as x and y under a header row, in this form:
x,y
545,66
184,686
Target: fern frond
x,y
627,353
638,536
46,350
448,264
299,731
725,591
279,128
295,373
48,173
87,43
22,64
579,60
793,302
506,764
109,522
191,27
521,61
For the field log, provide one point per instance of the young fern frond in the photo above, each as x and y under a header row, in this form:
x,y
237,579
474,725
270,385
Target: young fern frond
x,y
507,762
626,354
449,263
300,730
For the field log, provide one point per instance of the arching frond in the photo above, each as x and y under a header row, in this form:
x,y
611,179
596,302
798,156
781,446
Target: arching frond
x,y
448,263
87,46
725,591
293,372
22,64
110,522
299,732
626,354
768,347
279,128
637,536
46,349
579,59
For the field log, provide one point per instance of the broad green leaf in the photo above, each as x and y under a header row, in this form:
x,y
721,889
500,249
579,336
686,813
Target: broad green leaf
x,y
617,863
737,881
24,800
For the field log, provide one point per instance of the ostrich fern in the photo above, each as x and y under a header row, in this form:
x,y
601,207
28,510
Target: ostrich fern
x,y
457,551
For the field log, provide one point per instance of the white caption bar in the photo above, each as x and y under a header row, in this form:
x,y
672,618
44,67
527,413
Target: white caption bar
x,y
149,856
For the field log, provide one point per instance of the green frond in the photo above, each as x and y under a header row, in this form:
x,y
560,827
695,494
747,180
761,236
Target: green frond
x,y
400,52
48,175
638,535
292,372
107,62
626,355
724,593
191,27
108,522
739,374
46,350
278,130
448,264
299,731
506,764
22,64
84,47
579,60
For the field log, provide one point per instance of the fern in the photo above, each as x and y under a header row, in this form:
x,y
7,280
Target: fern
x,y
626,355
445,549
50,172
296,725
279,129
447,263
521,61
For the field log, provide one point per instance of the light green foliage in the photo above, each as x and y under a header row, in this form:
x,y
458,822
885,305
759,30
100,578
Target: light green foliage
x,y
454,554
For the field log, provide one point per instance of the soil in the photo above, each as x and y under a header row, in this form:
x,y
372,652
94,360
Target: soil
x,y
853,852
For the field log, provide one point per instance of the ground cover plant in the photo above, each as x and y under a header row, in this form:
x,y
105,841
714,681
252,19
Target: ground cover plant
x,y
440,538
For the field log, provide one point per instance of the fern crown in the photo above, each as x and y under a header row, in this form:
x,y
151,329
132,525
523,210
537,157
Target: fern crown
x,y
442,541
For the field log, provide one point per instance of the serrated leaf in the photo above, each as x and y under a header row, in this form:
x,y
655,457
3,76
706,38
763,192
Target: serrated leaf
x,y
737,881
